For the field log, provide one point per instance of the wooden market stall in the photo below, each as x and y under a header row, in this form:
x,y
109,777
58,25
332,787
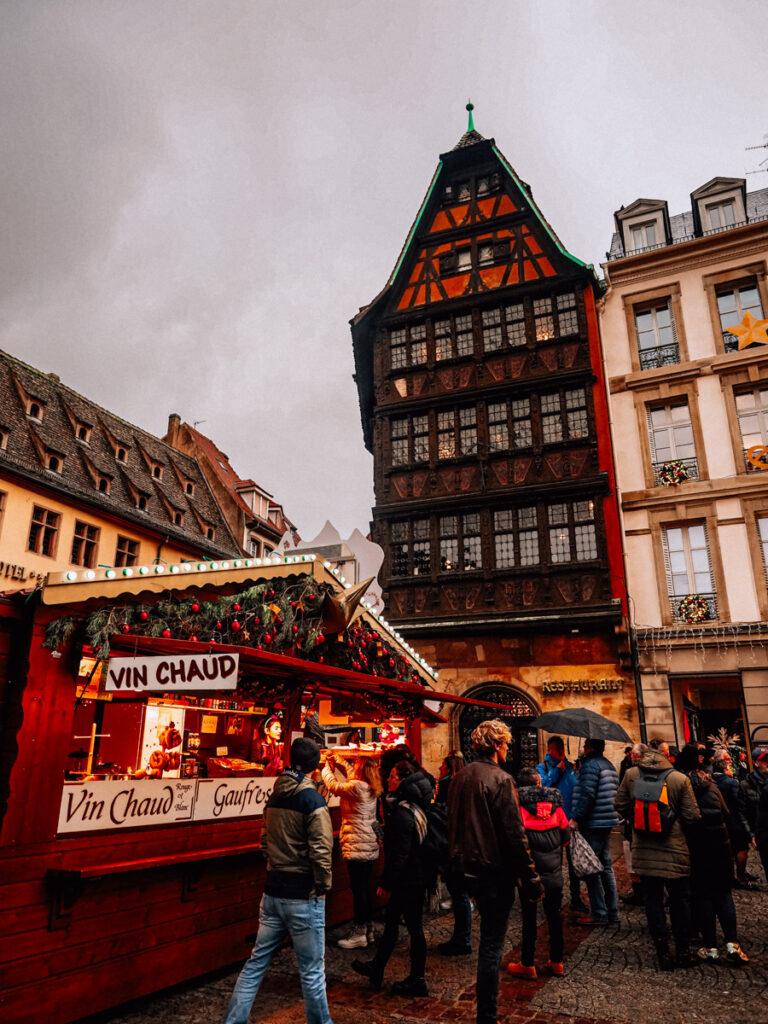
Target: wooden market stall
x,y
138,745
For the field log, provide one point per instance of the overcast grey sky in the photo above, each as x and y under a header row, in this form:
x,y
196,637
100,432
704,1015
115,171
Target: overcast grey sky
x,y
198,195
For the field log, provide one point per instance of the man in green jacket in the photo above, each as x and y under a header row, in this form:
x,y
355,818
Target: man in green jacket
x,y
663,861
298,841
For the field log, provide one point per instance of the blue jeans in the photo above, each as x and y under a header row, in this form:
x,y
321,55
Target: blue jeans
x,y
304,921
603,898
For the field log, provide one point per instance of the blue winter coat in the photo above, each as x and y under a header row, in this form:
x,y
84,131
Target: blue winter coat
x,y
554,777
595,792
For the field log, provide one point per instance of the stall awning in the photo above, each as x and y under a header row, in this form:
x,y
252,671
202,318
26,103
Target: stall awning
x,y
322,679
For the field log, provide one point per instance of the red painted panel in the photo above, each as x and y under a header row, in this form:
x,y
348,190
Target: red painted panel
x,y
455,286
505,205
416,273
529,271
485,206
546,267
440,223
492,276
405,301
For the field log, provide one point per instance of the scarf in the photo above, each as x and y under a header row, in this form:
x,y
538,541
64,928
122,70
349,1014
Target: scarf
x,y
419,818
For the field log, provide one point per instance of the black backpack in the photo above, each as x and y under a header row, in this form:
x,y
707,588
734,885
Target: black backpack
x,y
434,846
652,814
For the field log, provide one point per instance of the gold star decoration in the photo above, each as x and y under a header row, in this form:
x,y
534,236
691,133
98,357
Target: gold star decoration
x,y
750,331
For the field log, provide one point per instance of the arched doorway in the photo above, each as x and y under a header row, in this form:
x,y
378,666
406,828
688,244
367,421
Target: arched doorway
x,y
524,748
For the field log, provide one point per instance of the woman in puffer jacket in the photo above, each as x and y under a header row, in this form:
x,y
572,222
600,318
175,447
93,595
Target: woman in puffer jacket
x,y
405,878
359,842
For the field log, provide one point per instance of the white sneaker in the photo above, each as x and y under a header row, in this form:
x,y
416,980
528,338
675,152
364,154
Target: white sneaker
x,y
355,940
708,955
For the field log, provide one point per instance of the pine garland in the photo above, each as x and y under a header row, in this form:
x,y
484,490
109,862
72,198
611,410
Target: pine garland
x,y
284,616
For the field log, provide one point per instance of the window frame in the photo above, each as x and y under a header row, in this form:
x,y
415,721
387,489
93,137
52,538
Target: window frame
x,y
47,534
719,282
458,538
418,533
85,544
576,526
669,291
127,551
516,532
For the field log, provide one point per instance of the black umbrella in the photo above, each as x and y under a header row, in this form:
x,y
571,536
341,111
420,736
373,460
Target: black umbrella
x,y
582,722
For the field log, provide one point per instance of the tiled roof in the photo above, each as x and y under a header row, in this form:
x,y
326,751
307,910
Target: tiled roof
x,y
681,224
63,410
469,138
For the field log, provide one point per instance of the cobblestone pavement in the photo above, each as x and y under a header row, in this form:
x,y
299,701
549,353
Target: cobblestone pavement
x,y
610,979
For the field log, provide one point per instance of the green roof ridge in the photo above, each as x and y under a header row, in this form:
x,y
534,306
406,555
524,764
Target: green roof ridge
x,y
415,225
536,210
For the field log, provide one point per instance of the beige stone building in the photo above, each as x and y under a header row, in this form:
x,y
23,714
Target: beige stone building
x,y
689,411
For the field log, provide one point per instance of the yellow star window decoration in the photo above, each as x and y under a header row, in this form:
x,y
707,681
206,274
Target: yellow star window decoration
x,y
750,331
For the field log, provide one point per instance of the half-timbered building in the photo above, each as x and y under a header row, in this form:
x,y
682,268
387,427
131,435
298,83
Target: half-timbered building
x,y
482,400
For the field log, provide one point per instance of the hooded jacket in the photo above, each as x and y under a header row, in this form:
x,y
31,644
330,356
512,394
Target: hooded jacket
x,y
594,794
357,838
485,828
562,779
546,826
297,839
653,855
403,863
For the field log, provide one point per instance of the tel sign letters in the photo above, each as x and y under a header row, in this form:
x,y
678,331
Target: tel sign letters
x,y
174,674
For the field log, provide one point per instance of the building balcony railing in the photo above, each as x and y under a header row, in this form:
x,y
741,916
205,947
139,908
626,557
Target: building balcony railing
x,y
679,239
661,355
693,608
673,472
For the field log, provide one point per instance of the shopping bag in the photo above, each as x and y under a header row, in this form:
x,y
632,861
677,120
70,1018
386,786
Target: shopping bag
x,y
584,859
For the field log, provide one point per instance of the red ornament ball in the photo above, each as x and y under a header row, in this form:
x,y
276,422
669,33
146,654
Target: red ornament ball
x,y
350,643
235,607
271,593
193,638
267,638
195,607
278,621
356,666
125,628
166,633
143,616
257,621
218,625
391,662
259,647
320,638
321,659
311,597
294,603
236,626
295,628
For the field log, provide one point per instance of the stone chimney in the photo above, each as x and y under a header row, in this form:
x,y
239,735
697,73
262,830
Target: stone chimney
x,y
174,426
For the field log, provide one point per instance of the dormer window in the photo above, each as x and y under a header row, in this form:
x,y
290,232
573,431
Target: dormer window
x,y
121,455
103,484
157,471
178,518
35,410
83,433
3,438
54,463
210,533
643,236
189,488
141,503
721,215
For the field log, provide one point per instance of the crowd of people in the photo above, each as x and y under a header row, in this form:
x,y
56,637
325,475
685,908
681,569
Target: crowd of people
x,y
689,818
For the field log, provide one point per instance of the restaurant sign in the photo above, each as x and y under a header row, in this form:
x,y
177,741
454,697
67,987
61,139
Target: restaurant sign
x,y
173,674
582,685
137,803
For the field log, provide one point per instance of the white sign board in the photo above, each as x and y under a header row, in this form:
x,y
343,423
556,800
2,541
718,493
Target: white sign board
x,y
96,806
173,674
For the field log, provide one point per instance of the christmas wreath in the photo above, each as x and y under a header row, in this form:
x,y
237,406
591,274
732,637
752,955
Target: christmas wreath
x,y
672,473
693,608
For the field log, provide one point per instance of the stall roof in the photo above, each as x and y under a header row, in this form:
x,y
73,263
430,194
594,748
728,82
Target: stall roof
x,y
82,585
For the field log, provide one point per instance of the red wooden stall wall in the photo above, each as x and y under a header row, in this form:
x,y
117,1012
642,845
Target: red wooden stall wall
x,y
142,910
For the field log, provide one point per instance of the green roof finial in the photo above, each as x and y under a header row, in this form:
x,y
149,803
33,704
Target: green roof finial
x,y
470,122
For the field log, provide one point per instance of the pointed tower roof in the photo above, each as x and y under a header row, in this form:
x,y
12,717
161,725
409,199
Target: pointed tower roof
x,y
470,136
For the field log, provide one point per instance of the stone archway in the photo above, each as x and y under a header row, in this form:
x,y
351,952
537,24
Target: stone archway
x,y
524,748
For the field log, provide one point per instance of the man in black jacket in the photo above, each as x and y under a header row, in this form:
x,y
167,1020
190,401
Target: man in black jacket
x,y
488,845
